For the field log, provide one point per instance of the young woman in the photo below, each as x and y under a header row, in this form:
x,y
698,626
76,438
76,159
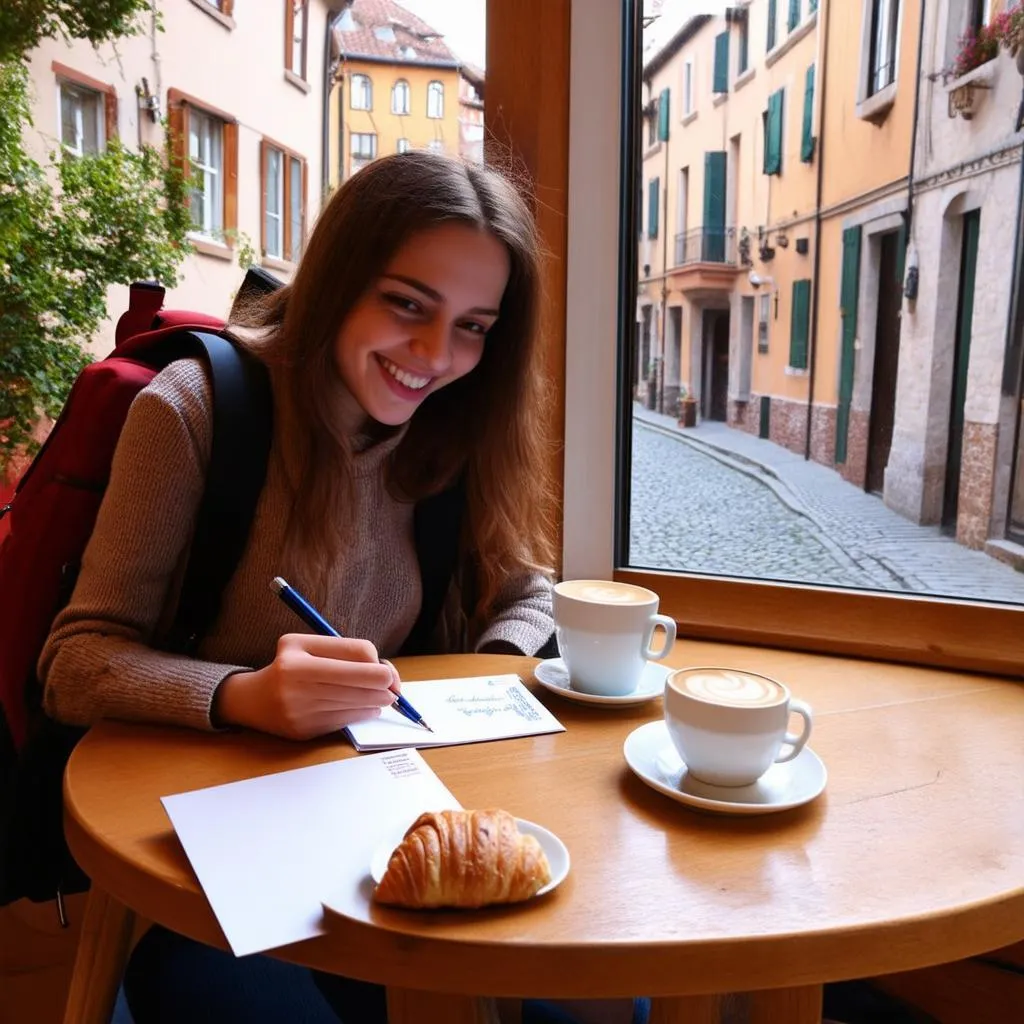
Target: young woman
x,y
405,365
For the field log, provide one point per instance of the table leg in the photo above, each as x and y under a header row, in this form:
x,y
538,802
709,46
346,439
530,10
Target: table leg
x,y
685,1010
786,1005
103,948
411,1006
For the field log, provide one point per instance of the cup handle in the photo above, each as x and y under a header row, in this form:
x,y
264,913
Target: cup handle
x,y
669,625
796,740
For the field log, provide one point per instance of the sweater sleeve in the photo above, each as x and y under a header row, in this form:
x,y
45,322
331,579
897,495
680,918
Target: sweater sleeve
x,y
98,661
522,616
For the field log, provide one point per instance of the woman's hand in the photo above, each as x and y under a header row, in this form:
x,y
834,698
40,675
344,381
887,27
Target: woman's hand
x,y
315,685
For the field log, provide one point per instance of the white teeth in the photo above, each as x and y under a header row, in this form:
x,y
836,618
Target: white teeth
x,y
410,380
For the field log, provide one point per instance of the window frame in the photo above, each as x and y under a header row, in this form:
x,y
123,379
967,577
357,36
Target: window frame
x,y
892,38
439,93
352,156
289,253
180,106
289,38
408,97
580,157
106,98
366,89
403,145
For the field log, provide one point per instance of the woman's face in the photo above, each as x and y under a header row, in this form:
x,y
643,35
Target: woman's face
x,y
423,322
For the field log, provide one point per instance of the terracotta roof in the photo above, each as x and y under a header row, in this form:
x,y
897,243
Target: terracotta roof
x,y
474,74
382,30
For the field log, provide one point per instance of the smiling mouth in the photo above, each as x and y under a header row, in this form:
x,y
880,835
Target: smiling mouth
x,y
412,381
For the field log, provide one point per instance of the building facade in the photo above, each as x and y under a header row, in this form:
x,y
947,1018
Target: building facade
x,y
395,87
471,113
248,126
958,404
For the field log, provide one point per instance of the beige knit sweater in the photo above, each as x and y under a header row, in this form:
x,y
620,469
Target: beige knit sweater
x,y
98,662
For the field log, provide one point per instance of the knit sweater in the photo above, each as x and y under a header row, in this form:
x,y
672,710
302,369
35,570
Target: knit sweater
x,y
102,658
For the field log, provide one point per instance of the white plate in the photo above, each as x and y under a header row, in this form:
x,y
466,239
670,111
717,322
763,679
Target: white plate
x,y
554,849
554,676
651,755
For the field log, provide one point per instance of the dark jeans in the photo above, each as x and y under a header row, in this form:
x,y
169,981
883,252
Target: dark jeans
x,y
173,980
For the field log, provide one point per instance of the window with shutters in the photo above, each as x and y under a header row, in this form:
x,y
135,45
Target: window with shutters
x,y
807,134
714,228
86,111
296,20
800,324
653,201
204,142
720,75
283,177
772,120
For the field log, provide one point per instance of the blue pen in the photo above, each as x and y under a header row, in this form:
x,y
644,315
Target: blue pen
x,y
312,618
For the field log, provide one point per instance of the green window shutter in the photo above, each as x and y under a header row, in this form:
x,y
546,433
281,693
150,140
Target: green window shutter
x,y
807,139
794,15
848,298
663,116
772,22
653,197
713,240
800,324
720,79
773,134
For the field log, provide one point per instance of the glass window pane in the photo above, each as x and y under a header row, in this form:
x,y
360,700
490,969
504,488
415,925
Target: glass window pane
x,y
814,396
275,185
295,203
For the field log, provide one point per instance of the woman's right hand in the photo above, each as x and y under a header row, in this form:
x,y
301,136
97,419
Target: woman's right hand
x,y
315,685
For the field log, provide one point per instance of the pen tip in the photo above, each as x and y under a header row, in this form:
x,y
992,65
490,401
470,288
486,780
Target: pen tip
x,y
277,584
425,726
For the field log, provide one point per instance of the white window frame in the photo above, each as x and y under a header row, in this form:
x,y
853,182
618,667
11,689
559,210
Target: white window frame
x,y
277,215
83,94
435,99
361,88
358,160
687,90
403,146
436,145
402,89
209,166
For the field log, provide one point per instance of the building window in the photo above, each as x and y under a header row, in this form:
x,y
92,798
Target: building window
x,y
794,15
885,15
363,149
652,122
400,97
743,58
403,146
979,15
82,119
361,97
772,120
764,310
284,206
688,88
296,19
206,156
435,99
436,145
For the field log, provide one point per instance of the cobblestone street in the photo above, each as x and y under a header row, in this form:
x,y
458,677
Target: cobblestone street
x,y
715,500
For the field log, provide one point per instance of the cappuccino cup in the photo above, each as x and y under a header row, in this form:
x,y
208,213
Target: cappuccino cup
x,y
605,633
729,725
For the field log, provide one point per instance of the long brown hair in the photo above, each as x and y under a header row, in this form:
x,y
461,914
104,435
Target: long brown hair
x,y
487,426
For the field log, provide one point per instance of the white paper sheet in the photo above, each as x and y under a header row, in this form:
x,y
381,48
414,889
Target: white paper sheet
x,y
459,711
268,850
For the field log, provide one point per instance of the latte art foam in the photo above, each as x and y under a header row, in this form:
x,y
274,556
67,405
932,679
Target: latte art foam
x,y
720,686
604,593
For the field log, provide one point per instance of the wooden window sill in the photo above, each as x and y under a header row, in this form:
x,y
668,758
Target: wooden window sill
x,y
224,20
297,80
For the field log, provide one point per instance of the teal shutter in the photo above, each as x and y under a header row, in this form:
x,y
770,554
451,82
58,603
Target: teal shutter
x,y
773,19
653,196
663,116
744,55
800,324
773,134
794,15
807,139
848,298
720,78
713,240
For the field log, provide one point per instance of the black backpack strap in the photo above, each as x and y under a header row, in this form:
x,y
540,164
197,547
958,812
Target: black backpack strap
x,y
242,434
437,525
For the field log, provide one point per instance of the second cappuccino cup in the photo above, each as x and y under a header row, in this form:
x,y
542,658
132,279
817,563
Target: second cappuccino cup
x,y
605,633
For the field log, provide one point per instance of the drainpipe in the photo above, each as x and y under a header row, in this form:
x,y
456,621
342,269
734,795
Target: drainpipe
x,y
664,293
908,217
825,13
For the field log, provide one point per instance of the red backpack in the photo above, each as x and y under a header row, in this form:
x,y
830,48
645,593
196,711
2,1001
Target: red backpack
x,y
50,518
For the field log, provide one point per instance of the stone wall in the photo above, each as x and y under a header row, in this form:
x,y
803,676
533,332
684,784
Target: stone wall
x,y
977,476
855,468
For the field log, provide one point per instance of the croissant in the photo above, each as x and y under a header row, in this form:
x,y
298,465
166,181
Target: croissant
x,y
463,859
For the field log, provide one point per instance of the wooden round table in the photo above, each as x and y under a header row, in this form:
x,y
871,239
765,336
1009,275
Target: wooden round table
x,y
914,855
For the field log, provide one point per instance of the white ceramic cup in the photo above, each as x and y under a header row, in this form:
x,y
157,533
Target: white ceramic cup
x,y
730,726
605,634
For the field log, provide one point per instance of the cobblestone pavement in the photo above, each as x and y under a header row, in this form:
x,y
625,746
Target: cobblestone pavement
x,y
717,500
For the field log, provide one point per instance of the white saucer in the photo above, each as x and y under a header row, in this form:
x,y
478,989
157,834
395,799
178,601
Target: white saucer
x,y
554,676
651,755
554,849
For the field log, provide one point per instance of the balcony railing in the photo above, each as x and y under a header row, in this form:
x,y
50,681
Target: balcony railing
x,y
706,245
